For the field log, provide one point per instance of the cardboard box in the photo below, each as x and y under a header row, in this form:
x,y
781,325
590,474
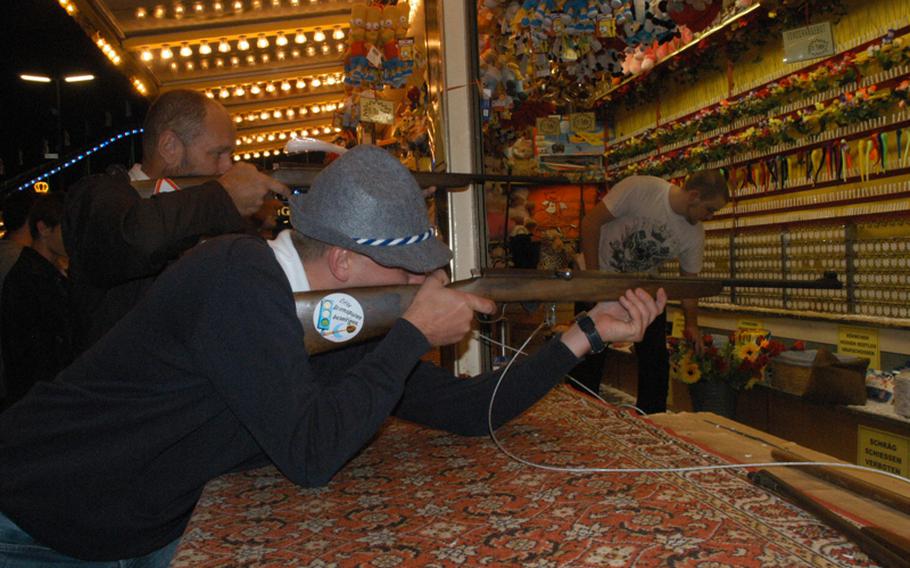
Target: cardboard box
x,y
820,376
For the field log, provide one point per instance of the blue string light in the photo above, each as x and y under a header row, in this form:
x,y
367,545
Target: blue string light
x,y
79,158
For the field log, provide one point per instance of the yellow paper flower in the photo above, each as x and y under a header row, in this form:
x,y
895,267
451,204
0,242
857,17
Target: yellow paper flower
x,y
691,373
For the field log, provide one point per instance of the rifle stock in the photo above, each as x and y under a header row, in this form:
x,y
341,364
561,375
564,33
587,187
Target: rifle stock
x,y
368,313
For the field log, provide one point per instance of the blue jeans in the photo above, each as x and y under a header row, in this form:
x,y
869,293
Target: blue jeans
x,y
19,550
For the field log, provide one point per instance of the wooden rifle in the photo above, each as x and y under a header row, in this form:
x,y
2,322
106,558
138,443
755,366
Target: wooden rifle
x,y
299,179
358,314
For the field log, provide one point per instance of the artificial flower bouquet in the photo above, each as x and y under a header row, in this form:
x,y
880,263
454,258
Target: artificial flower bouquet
x,y
738,360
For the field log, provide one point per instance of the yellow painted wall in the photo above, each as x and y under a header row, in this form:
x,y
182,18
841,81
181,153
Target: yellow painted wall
x,y
865,19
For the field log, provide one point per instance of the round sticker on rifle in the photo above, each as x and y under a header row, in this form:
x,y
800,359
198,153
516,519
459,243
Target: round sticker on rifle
x,y
338,317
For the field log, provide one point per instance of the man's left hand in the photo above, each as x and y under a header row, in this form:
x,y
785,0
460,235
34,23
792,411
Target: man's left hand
x,y
625,320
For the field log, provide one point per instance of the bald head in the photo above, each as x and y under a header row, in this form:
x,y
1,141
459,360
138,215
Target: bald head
x,y
186,133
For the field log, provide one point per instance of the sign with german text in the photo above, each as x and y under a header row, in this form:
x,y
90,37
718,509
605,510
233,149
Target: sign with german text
x,y
861,342
883,451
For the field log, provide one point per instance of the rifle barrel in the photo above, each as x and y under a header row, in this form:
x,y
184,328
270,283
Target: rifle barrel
x,y
299,179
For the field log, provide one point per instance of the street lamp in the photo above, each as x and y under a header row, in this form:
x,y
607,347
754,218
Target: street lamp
x,y
34,78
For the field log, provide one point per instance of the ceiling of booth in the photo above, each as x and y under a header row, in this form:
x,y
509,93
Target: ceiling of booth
x,y
276,65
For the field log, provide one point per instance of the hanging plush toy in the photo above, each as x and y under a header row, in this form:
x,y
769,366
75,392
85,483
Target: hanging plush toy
x,y
579,18
645,21
664,26
355,63
389,44
373,74
405,66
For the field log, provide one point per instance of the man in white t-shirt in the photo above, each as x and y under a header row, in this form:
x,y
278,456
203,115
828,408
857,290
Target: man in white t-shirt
x,y
642,222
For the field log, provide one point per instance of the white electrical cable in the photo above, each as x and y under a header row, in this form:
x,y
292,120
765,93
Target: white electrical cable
x,y
520,351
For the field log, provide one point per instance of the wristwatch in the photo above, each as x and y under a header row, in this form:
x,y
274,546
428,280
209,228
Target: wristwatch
x,y
586,324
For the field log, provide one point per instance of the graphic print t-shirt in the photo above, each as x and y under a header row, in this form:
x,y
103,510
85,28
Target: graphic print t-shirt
x,y
646,232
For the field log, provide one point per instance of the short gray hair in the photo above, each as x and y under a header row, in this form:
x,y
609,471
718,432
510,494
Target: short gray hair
x,y
307,247
181,111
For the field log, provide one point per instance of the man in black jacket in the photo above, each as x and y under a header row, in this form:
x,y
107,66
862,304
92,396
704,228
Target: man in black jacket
x,y
208,374
118,242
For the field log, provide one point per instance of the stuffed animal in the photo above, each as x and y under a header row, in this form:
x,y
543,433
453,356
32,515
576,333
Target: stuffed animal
x,y
405,64
372,25
643,21
649,58
580,21
390,54
355,62
665,28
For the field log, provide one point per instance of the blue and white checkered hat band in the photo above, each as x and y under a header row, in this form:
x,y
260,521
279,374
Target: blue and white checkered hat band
x,y
413,239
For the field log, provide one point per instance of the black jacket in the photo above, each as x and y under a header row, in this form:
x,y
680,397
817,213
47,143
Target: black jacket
x,y
37,324
118,242
208,375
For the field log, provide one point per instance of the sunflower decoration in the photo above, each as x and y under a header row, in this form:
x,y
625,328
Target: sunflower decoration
x,y
691,373
748,351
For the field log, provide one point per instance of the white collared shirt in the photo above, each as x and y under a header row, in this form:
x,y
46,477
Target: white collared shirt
x,y
163,185
287,257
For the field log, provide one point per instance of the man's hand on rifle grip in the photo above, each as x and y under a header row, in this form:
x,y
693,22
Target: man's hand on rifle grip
x,y
444,315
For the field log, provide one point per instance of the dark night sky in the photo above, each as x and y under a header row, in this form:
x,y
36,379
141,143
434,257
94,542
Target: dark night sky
x,y
40,37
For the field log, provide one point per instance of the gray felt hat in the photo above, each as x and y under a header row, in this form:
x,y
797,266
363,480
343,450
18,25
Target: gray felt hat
x,y
368,202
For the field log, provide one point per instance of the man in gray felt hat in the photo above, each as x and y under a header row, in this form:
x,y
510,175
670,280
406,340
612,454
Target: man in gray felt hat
x,y
209,375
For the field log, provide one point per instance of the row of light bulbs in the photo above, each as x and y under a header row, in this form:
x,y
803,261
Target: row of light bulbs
x,y
108,50
285,86
287,135
140,86
179,10
243,44
254,155
287,113
250,59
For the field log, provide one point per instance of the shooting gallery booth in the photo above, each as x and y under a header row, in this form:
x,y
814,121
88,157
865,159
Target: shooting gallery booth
x,y
548,105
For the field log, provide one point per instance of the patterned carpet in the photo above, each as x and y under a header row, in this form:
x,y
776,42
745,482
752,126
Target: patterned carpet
x,y
419,497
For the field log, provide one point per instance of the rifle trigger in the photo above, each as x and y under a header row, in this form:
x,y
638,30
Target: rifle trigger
x,y
550,317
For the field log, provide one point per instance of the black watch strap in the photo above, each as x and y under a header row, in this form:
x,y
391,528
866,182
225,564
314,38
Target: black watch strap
x,y
586,324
